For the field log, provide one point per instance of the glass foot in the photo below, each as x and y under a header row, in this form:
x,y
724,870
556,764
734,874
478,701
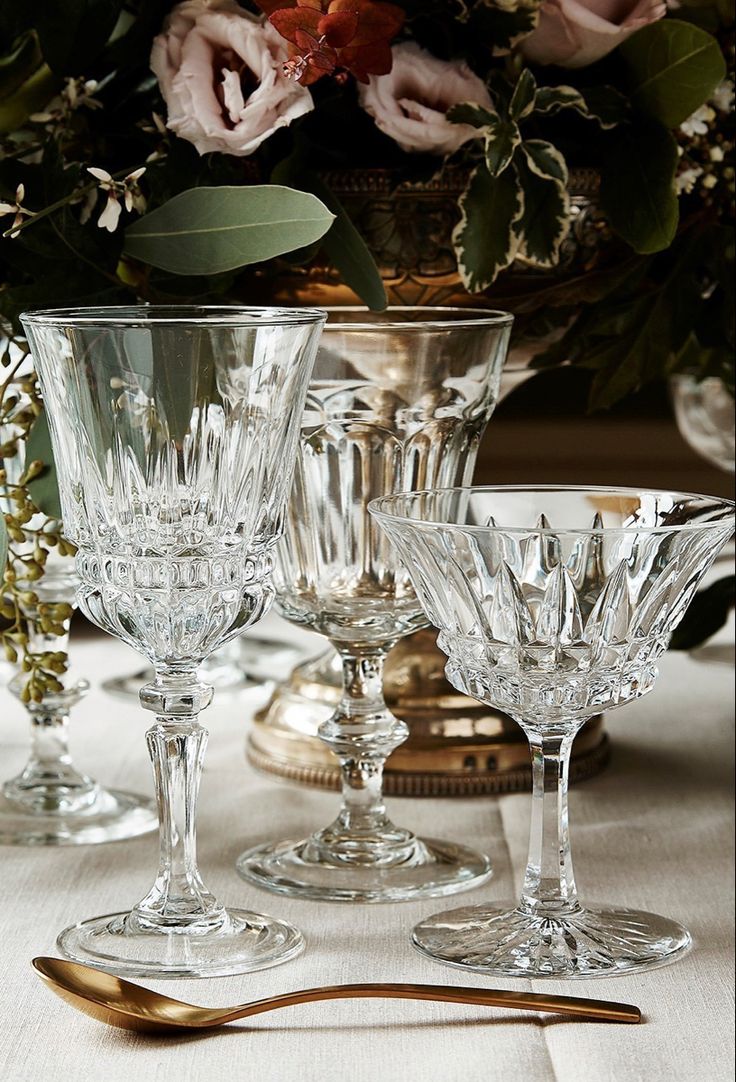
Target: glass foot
x,y
107,815
242,942
423,868
507,942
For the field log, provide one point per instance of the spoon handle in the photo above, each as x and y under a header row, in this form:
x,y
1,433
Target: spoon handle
x,y
595,1009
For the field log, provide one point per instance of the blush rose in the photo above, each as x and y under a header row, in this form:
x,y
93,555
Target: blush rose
x,y
409,104
220,74
575,33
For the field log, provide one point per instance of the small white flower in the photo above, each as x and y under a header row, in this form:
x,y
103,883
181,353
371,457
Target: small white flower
x,y
723,96
715,154
127,190
697,123
685,182
17,209
709,181
111,214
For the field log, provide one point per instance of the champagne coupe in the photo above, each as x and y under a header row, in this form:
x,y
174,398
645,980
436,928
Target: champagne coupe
x,y
397,401
553,604
174,432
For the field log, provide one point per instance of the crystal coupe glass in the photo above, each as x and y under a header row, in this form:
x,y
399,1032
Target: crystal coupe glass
x,y
174,433
553,604
397,401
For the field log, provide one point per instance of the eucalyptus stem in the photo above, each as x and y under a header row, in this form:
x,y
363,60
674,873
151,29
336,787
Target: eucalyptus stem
x,y
31,537
72,197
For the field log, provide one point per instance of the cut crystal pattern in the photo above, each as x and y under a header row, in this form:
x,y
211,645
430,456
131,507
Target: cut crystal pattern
x,y
553,604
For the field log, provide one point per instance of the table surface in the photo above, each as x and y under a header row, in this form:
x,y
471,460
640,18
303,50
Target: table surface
x,y
653,831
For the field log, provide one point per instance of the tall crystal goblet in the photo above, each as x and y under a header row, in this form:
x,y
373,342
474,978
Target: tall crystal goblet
x,y
174,434
396,401
553,604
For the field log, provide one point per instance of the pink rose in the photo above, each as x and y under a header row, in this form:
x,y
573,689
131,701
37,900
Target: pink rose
x,y
219,70
409,104
575,33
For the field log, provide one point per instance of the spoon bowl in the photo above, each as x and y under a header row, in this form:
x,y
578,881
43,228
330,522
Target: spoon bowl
x,y
122,1003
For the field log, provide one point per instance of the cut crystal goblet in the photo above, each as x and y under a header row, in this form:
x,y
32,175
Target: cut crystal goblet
x,y
174,434
553,604
396,401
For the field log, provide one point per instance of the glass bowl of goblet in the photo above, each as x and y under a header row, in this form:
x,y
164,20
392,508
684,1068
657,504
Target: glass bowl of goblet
x,y
553,604
174,432
396,400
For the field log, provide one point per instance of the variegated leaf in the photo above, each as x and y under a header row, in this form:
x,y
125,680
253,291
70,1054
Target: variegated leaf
x,y
545,221
484,238
502,139
523,98
605,105
468,112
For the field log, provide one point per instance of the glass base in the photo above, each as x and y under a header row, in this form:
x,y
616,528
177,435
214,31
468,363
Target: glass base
x,y
422,868
241,943
109,815
507,942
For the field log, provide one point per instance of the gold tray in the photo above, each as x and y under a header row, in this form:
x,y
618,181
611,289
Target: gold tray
x,y
456,747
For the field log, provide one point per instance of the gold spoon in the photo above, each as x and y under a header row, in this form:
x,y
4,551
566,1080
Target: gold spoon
x,y
122,1003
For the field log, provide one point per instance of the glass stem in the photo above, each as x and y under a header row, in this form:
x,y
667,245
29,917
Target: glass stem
x,y
549,881
49,782
176,745
362,733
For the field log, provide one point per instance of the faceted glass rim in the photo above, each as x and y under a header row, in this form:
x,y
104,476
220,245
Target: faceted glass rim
x,y
144,315
438,318
381,508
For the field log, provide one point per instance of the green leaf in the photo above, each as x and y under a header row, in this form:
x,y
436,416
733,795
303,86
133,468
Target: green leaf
x,y
706,614
467,112
490,23
3,542
26,83
343,244
502,139
522,99
43,489
545,222
210,230
607,106
484,238
73,32
637,185
674,67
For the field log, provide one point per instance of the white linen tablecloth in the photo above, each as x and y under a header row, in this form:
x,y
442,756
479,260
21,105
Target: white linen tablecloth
x,y
653,831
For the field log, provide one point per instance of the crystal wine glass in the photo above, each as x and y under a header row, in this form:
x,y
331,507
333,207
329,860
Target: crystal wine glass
x,y
397,401
51,802
174,434
553,604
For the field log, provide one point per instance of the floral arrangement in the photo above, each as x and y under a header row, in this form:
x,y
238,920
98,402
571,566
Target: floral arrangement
x,y
158,151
